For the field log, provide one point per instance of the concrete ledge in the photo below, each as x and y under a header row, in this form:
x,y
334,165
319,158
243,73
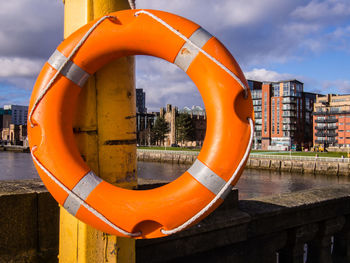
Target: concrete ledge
x,y
28,222
286,166
238,231
255,231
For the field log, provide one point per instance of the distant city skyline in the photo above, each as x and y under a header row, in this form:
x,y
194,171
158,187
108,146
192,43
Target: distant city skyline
x,y
272,40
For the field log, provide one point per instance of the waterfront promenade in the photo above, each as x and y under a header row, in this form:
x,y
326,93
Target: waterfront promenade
x,y
288,163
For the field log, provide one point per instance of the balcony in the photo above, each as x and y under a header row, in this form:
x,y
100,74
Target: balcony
x,y
326,120
289,100
332,134
257,108
257,102
289,107
331,112
333,127
289,128
288,114
320,134
326,134
289,121
327,141
332,140
258,121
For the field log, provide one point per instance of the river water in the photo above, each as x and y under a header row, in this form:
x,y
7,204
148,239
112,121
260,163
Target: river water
x,y
253,183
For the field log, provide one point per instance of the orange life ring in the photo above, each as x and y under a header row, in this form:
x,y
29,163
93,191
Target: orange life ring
x,y
191,197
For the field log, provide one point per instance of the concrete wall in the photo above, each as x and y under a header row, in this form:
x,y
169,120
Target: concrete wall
x,y
297,166
259,228
28,223
246,231
254,162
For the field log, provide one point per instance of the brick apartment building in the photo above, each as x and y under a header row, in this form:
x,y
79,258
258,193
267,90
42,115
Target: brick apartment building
x,y
332,121
283,115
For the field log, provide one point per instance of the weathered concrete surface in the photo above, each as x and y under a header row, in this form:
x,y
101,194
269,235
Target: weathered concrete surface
x,y
275,165
255,162
167,157
224,226
297,167
260,228
28,222
309,167
344,169
265,164
326,168
286,166
246,231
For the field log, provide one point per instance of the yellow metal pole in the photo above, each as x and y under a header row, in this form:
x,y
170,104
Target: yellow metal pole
x,y
106,136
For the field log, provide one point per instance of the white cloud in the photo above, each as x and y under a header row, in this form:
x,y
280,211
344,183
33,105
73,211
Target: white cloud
x,y
336,86
20,67
323,10
165,83
262,74
30,28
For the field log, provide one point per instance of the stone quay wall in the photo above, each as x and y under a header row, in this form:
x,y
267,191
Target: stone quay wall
x,y
294,164
241,231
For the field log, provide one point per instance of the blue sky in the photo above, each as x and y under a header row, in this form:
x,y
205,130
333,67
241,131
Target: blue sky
x,y
271,39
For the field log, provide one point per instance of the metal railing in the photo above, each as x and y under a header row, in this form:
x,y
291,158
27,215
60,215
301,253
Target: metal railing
x,y
300,158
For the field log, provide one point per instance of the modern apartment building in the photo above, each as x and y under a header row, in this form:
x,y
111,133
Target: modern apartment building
x,y
5,118
283,115
332,120
18,114
140,101
256,90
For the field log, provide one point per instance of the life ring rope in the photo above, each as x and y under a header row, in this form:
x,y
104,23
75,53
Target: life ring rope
x,y
79,200
196,47
59,70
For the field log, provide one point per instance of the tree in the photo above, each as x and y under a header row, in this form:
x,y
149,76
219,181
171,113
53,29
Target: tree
x,y
185,130
159,130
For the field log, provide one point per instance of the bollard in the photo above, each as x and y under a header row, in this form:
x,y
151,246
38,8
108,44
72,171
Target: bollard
x,y
106,136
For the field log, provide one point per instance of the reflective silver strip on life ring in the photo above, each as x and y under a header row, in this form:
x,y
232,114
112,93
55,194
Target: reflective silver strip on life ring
x,y
187,52
208,178
81,191
71,70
